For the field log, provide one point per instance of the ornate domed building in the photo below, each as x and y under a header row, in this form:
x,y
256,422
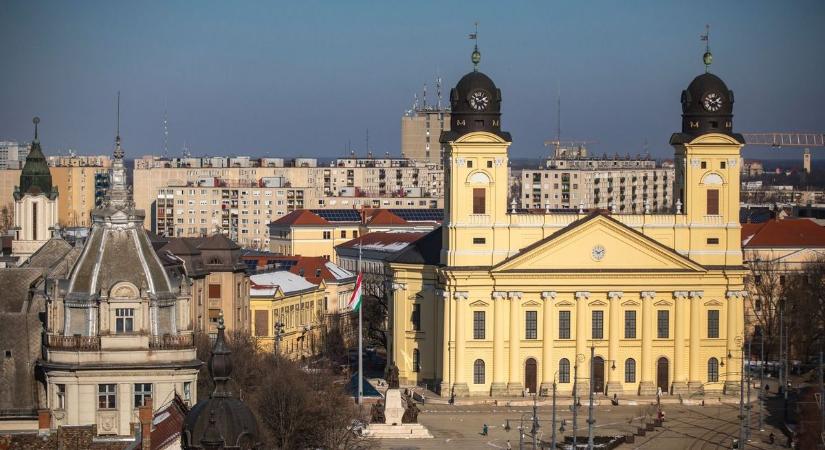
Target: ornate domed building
x,y
221,421
523,301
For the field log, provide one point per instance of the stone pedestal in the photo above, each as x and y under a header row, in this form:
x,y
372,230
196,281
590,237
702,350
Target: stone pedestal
x,y
695,387
498,389
614,387
393,407
679,387
647,388
444,389
515,389
546,390
731,388
461,390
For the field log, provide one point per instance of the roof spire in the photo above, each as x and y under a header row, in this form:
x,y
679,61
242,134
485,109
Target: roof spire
x,y
118,151
707,58
220,364
476,57
35,121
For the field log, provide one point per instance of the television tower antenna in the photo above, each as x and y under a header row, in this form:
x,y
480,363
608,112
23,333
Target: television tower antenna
x,y
424,96
165,134
558,112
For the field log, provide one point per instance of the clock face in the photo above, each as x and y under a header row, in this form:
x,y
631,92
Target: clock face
x,y
597,253
712,102
479,100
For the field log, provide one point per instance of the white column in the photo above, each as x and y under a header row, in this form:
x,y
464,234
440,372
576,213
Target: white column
x,y
680,375
446,379
499,385
733,366
547,362
460,385
647,368
515,387
694,363
614,383
582,352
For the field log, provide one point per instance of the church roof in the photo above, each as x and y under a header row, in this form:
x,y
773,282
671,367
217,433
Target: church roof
x,y
425,250
300,217
385,217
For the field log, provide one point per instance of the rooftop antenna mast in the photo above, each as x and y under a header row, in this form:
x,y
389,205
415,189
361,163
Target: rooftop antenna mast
x,y
707,58
558,111
424,96
165,133
369,152
438,89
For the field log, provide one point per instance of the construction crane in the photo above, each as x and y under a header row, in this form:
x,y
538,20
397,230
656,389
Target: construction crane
x,y
780,139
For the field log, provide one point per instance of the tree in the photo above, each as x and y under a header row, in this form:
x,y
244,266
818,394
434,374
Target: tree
x,y
766,288
376,311
6,218
806,310
295,408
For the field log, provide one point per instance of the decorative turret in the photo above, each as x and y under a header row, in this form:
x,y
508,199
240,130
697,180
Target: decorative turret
x,y
36,178
221,421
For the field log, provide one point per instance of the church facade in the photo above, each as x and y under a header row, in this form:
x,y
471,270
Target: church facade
x,y
499,302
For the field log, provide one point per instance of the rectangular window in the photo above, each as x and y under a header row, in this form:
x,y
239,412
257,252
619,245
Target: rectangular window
x,y
479,240
531,325
61,396
143,392
478,325
106,396
598,324
564,324
713,324
187,392
327,234
124,320
416,317
214,291
479,201
713,202
713,241
343,234
630,324
663,324
261,323
489,164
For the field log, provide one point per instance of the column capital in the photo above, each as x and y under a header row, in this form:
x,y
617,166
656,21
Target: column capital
x,y
615,295
461,295
548,295
397,286
697,294
582,295
498,295
647,294
680,294
515,294
736,294
442,293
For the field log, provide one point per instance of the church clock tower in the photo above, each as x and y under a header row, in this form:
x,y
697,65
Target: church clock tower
x,y
35,203
475,166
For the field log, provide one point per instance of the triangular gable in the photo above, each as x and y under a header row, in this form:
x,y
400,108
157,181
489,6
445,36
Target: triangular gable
x,y
571,248
531,303
479,304
713,303
631,303
663,303
597,303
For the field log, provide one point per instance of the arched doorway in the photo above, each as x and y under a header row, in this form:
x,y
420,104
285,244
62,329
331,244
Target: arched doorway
x,y
662,375
598,374
530,375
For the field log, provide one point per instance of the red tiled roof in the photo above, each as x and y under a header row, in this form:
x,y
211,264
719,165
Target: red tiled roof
x,y
168,423
383,238
385,217
783,233
313,269
301,217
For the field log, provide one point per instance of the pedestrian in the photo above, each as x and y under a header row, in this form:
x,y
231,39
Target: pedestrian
x,y
484,430
767,388
509,447
771,438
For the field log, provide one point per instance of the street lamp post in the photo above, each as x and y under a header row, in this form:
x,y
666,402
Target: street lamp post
x,y
762,381
579,357
553,438
748,405
590,420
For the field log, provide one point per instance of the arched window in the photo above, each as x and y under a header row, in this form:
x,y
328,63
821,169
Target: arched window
x,y
416,362
713,370
630,370
478,371
564,371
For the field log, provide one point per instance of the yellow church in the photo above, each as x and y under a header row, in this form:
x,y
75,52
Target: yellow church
x,y
501,302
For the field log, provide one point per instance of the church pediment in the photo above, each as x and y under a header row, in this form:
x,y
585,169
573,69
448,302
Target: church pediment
x,y
597,303
479,304
630,303
598,243
663,303
531,303
713,303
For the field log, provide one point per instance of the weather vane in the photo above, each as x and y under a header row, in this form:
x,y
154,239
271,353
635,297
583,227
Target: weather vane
x,y
707,58
476,53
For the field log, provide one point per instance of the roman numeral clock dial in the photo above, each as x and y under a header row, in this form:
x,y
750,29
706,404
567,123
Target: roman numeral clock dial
x,y
479,100
712,102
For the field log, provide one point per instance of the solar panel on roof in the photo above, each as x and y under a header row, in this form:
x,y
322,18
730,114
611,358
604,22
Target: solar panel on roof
x,y
417,215
339,215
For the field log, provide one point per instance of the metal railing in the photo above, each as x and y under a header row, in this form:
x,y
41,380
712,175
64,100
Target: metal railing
x,y
76,342
171,341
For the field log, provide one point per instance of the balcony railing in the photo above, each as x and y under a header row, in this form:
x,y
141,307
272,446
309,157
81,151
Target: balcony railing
x,y
171,341
75,343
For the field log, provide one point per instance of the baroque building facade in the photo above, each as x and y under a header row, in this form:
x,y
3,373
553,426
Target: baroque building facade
x,y
498,302
119,332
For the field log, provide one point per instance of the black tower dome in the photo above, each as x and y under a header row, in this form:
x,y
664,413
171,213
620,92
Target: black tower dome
x,y
707,106
475,104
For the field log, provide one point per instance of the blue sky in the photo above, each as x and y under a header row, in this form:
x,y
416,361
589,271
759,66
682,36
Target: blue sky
x,y
304,78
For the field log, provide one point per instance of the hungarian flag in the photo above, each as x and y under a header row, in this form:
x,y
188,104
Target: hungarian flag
x,y
355,300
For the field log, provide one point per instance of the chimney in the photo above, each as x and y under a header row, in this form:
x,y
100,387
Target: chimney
x,y
44,421
145,417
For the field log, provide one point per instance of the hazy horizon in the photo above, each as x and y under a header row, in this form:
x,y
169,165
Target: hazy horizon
x,y
264,79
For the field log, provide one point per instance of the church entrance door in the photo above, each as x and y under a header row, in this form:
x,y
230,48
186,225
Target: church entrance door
x,y
662,375
598,374
530,375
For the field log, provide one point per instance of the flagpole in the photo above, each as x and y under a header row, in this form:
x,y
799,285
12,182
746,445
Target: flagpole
x,y
360,331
